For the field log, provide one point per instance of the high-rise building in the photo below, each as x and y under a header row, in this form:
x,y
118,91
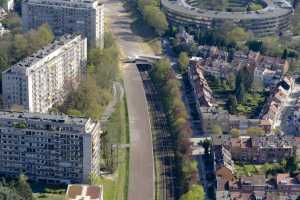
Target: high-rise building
x,y
44,78
49,148
66,16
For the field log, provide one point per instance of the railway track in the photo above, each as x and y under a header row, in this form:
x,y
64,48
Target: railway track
x,y
163,143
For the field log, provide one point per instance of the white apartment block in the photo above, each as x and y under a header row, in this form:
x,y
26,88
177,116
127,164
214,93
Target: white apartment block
x,y
44,78
66,16
49,148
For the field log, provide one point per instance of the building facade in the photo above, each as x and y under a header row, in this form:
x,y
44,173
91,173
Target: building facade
x,y
274,19
66,16
49,148
43,79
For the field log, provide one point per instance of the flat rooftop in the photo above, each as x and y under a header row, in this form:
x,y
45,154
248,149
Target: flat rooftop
x,y
47,50
84,192
64,119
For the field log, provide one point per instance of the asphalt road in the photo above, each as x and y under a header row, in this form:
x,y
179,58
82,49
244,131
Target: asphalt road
x,y
141,174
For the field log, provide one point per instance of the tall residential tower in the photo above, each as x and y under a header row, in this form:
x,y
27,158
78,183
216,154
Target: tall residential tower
x,y
49,148
66,16
44,78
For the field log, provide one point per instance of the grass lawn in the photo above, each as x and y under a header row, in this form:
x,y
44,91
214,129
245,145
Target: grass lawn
x,y
249,169
118,133
252,105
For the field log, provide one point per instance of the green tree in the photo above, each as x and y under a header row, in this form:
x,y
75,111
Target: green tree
x,y
232,104
272,46
161,71
254,7
284,54
109,40
183,61
255,45
238,34
20,45
255,131
39,38
291,164
196,192
235,132
12,22
216,130
74,112
155,18
9,193
231,81
23,188
3,60
240,93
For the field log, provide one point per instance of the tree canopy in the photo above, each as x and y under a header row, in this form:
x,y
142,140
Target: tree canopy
x,y
196,192
183,61
238,34
23,188
155,18
216,130
255,131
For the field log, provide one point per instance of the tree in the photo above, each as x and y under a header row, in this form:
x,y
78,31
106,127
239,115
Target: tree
x,y
216,130
12,22
20,45
206,145
254,7
235,132
284,54
231,81
39,38
161,71
183,61
255,131
291,164
272,46
232,104
240,93
23,188
196,192
155,18
255,45
8,193
108,40
238,34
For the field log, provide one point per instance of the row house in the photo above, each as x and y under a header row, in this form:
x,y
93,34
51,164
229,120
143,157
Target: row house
x,y
202,91
276,101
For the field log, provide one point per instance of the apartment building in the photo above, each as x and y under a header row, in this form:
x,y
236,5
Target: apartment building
x,y
260,150
43,79
66,16
49,148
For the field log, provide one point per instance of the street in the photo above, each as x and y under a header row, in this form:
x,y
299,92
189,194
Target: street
x,y
141,163
286,117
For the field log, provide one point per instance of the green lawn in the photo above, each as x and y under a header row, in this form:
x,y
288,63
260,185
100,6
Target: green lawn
x,y
118,133
249,169
252,105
